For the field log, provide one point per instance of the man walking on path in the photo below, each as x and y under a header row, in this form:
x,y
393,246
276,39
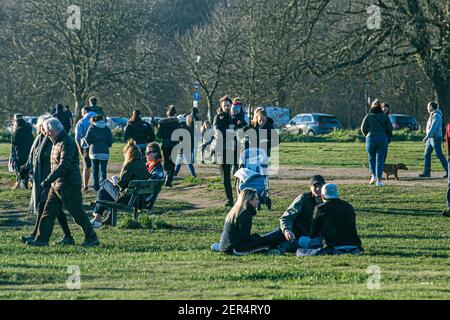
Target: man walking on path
x,y
433,140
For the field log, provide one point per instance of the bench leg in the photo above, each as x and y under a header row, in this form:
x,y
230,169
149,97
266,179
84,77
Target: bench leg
x,y
113,217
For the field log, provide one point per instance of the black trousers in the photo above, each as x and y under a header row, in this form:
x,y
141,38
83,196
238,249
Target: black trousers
x,y
61,216
169,165
272,239
225,172
71,198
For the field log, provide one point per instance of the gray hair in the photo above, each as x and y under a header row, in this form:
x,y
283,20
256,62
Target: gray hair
x,y
40,121
53,124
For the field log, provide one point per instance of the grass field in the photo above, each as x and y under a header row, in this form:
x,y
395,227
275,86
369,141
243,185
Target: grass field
x,y
168,256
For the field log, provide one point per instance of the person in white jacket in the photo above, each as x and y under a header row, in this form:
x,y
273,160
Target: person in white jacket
x,y
433,140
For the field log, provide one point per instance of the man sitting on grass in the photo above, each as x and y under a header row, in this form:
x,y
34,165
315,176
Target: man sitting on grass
x,y
333,227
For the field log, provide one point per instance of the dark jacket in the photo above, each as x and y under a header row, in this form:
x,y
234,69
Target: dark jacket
x,y
335,221
39,165
99,138
63,117
376,124
222,122
65,164
298,217
96,109
238,232
192,121
263,133
134,170
21,141
140,131
157,171
166,127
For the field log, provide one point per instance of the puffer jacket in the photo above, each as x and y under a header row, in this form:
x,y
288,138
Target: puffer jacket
x,y
140,131
99,138
65,165
166,127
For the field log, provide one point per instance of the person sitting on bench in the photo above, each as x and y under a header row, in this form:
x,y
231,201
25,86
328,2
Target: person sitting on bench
x,y
236,236
333,227
133,169
155,169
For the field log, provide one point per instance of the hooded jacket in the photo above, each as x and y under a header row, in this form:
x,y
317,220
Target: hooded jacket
x,y
99,138
376,124
82,128
434,125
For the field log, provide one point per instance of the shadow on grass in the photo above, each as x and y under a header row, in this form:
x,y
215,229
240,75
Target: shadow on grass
x,y
400,212
400,236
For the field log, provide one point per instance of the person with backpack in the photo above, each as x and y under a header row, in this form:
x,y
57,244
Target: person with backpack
x,y
139,130
433,140
99,138
63,117
377,128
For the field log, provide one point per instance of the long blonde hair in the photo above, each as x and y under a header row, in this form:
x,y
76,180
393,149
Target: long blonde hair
x,y
241,204
131,152
258,113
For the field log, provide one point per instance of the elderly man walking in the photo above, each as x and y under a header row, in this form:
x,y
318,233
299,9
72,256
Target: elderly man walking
x,y
433,140
65,182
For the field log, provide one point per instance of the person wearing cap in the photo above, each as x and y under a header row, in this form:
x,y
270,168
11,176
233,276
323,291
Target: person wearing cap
x,y
21,142
333,227
224,149
166,127
296,220
182,154
139,130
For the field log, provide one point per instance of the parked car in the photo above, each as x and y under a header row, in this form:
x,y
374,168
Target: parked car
x,y
116,123
152,120
30,119
403,121
312,124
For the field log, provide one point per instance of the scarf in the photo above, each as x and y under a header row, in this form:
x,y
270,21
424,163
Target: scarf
x,y
151,165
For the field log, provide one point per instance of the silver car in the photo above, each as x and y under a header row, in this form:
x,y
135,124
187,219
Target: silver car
x,y
312,124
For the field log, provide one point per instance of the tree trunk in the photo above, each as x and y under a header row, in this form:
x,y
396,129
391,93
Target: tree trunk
x,y
442,92
211,112
79,104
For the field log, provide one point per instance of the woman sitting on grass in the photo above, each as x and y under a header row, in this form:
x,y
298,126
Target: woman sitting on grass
x,y
236,236
134,168
155,169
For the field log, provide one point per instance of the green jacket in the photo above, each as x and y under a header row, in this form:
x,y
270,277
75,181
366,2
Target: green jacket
x,y
298,217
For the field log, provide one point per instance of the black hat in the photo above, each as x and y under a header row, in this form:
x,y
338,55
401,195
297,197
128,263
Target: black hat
x,y
316,179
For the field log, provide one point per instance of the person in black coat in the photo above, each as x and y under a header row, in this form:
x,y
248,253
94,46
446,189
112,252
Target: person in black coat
x,y
194,123
263,126
21,142
38,165
236,236
224,148
140,131
93,107
63,117
166,127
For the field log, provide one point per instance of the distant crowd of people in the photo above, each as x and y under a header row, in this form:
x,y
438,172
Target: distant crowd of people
x,y
317,222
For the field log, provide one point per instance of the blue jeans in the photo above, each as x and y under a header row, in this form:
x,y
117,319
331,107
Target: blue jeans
x,y
98,172
178,166
376,147
436,145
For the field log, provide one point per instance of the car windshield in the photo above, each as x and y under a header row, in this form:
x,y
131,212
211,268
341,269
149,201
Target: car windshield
x,y
404,120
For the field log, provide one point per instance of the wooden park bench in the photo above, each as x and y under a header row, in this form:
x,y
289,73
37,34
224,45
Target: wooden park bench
x,y
138,190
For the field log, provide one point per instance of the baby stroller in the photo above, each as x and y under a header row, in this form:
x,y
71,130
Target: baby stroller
x,y
254,174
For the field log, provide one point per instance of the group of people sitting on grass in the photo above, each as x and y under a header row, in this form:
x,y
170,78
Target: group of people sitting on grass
x,y
318,222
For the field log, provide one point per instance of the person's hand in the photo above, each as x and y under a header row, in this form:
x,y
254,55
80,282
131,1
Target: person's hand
x,y
424,140
289,235
45,184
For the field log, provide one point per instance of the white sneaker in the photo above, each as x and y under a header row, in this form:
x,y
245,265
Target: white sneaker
x,y
379,183
372,180
96,224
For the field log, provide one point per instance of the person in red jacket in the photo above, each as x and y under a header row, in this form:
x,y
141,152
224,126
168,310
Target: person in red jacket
x,y
446,212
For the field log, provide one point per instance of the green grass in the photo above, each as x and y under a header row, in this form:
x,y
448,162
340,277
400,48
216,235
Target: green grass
x,y
167,256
